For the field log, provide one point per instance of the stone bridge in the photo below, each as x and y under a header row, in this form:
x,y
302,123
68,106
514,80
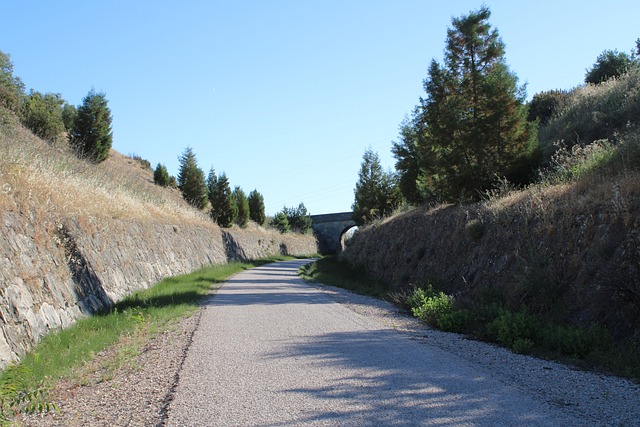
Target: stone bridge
x,y
329,229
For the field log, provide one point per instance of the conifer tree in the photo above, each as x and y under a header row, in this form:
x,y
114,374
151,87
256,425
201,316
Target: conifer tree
x,y
472,125
256,207
161,175
223,208
376,192
91,134
242,205
191,180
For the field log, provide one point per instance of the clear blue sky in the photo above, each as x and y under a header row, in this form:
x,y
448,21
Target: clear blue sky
x,y
283,96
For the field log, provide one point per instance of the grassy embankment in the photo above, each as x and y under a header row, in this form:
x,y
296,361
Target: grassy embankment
x,y
592,152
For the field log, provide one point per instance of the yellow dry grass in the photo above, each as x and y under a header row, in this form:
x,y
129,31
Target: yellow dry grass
x,y
40,177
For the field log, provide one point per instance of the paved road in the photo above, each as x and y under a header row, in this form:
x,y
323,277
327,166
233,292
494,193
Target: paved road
x,y
274,351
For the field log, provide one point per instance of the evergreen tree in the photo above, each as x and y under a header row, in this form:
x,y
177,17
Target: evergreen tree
x,y
280,222
161,175
191,180
472,124
609,64
223,208
11,87
408,161
242,205
69,114
377,193
91,135
298,218
256,207
43,115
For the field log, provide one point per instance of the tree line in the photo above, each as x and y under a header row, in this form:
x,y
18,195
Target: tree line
x,y
472,129
88,131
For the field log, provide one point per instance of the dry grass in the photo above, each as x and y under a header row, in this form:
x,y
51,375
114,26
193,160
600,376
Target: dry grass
x,y
37,178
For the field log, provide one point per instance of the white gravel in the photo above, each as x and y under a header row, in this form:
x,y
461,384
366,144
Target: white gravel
x,y
270,350
273,351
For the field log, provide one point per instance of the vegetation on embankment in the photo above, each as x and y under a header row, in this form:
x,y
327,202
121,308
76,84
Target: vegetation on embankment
x,y
127,325
562,252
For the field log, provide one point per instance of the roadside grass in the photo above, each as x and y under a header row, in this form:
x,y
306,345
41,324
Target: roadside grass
x,y
128,325
331,271
489,320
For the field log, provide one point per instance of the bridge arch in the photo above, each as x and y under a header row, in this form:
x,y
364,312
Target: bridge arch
x,y
329,229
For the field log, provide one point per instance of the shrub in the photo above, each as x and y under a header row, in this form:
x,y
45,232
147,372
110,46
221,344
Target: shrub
x,y
280,223
431,306
474,230
42,114
508,327
577,342
161,175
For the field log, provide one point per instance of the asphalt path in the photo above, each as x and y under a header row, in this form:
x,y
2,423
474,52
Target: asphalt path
x,y
272,350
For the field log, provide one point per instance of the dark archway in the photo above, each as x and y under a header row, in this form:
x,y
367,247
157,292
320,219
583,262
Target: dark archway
x,y
329,229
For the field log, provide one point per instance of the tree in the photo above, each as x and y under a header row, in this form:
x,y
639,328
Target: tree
x,y
11,87
256,207
376,193
42,114
472,124
91,134
191,180
242,207
546,105
280,222
161,176
223,208
69,114
609,64
408,160
298,218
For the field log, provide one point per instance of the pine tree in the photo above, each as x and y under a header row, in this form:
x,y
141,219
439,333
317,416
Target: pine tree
x,y
191,180
223,208
256,208
242,205
161,176
376,192
472,125
91,134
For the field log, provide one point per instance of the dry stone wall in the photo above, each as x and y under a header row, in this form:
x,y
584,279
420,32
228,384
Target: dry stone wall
x,y
54,271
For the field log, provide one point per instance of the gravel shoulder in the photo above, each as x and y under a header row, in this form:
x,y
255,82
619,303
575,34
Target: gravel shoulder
x,y
139,393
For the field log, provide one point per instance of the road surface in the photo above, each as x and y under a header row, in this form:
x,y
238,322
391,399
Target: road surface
x,y
272,350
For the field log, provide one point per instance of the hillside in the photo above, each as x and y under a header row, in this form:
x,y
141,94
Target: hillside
x,y
566,248
77,237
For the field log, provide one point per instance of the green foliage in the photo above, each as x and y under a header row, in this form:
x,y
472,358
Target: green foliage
x,y
576,342
242,204
69,114
42,114
223,207
609,64
509,327
91,134
546,105
606,111
432,306
161,176
11,87
256,208
409,160
578,161
298,218
191,180
377,193
280,223
17,395
472,124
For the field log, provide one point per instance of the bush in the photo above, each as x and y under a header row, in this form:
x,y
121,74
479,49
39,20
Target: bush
x,y
280,223
592,113
431,306
509,327
577,342
161,175
42,114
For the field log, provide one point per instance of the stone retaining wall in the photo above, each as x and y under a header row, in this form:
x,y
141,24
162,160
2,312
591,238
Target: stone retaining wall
x,y
54,271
